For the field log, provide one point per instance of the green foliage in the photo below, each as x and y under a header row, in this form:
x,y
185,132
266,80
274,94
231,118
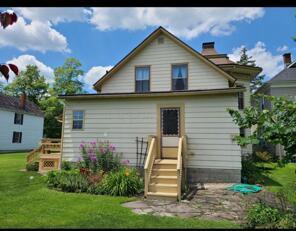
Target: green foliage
x,y
53,108
288,221
68,165
124,182
34,166
29,82
251,173
263,157
67,78
245,59
275,126
67,181
260,214
256,83
99,156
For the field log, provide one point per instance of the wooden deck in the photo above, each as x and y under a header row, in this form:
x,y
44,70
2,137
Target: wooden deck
x,y
48,154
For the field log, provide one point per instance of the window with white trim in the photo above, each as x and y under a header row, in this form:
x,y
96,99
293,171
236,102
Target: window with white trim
x,y
142,79
179,77
78,118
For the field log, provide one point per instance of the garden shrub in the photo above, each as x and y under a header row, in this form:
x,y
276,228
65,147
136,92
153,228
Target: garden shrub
x,y
250,172
34,166
68,165
67,181
260,215
99,156
288,221
124,182
262,157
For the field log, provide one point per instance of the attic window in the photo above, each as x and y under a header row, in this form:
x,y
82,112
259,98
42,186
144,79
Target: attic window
x,y
160,40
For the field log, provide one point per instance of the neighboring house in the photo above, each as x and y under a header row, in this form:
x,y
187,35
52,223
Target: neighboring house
x,y
21,123
282,84
167,89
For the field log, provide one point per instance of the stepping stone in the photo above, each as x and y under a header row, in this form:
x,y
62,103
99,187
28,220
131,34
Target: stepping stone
x,y
136,205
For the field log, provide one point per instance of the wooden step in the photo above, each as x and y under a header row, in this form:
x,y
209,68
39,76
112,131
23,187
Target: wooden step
x,y
165,164
164,172
162,196
163,179
162,188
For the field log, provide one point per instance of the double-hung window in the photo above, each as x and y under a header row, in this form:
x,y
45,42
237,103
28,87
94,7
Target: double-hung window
x,y
179,77
78,120
17,137
18,118
142,79
240,100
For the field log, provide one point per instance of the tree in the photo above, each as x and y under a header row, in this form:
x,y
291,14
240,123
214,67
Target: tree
x,y
66,78
29,82
247,60
275,126
256,83
52,107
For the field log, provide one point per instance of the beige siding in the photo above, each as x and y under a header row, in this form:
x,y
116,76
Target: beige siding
x,y
160,57
207,124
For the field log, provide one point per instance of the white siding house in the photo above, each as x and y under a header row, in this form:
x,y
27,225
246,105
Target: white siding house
x,y
20,128
120,112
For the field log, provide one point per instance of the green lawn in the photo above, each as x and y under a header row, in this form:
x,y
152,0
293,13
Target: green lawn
x,y
26,203
281,178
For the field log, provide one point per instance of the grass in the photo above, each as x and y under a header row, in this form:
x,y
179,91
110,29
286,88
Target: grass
x,y
281,179
29,203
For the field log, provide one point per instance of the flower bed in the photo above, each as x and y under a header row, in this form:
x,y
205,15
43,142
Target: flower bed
x,y
99,170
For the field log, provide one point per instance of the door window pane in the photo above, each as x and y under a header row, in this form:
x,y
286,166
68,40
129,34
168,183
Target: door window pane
x,y
170,122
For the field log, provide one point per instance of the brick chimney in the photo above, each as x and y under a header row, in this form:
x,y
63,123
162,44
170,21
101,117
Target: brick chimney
x,y
22,101
208,48
287,59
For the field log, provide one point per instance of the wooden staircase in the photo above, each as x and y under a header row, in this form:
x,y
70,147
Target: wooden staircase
x,y
48,154
163,177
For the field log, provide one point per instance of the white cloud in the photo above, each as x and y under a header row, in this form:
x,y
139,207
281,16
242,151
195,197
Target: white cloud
x,y
271,64
53,14
282,48
94,74
34,36
184,22
24,60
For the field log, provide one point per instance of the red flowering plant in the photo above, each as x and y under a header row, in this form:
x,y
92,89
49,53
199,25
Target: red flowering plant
x,y
98,156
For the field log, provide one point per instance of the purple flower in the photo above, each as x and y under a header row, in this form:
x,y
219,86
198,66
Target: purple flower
x,y
125,162
81,146
102,150
80,159
93,143
93,158
112,147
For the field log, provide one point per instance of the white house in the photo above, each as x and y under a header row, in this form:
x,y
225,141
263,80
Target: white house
x,y
165,89
21,124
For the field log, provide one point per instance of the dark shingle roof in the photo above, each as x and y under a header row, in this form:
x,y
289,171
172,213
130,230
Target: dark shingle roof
x,y
287,74
12,103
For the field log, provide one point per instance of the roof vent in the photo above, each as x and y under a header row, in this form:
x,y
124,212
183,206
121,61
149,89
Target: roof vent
x,y
160,40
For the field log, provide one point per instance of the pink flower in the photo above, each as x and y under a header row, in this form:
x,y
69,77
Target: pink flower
x,y
112,147
93,143
125,162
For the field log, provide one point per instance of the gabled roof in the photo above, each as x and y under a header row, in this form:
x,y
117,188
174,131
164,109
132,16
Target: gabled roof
x,y
12,103
288,74
150,38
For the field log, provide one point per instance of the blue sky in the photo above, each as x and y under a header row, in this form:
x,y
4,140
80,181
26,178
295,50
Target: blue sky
x,y
100,37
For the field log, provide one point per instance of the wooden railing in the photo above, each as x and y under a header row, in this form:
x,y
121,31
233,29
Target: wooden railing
x,y
47,146
182,149
149,161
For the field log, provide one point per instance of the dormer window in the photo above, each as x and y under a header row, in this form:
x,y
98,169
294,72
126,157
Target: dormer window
x,y
142,79
179,77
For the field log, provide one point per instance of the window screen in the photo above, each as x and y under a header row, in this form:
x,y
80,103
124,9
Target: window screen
x,y
17,137
78,119
240,100
18,118
142,79
179,77
170,122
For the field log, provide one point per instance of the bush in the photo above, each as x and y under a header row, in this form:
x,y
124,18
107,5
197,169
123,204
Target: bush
x,y
67,181
288,221
251,173
262,157
99,156
124,182
34,166
260,214
68,165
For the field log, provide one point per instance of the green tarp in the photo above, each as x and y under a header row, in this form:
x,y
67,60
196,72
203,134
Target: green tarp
x,y
244,188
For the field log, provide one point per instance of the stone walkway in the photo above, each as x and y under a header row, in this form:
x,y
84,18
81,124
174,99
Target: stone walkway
x,y
212,202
